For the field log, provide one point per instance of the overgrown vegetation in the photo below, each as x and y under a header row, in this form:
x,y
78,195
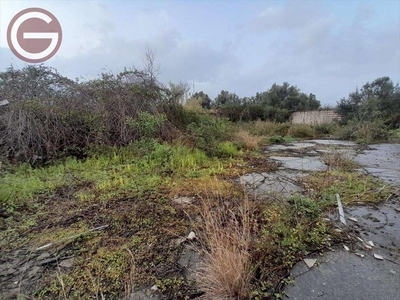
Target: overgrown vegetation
x,y
370,112
116,151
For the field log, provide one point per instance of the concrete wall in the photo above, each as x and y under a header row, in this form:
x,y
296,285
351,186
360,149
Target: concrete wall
x,y
314,117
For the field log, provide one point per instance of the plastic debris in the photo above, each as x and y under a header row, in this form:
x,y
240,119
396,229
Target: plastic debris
x,y
346,248
359,254
360,239
368,247
310,262
371,243
377,256
353,219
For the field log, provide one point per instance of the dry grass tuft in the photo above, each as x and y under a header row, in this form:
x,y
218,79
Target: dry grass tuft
x,y
249,140
339,161
226,272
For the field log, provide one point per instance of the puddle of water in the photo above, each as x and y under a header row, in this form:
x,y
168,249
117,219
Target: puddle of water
x,y
306,163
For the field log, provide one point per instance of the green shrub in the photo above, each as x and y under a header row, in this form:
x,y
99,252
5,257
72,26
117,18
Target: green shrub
x,y
327,128
302,131
147,125
269,128
180,116
363,132
276,139
208,132
227,149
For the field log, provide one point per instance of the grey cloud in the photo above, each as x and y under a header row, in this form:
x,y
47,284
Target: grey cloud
x,y
294,15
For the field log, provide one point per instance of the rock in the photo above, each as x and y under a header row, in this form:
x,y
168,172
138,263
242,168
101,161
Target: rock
x,y
190,261
378,257
184,200
392,272
346,248
67,263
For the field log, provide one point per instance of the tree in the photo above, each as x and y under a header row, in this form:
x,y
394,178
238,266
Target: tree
x,y
378,100
226,98
205,99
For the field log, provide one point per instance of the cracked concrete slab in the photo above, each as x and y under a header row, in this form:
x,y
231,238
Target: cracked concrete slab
x,y
280,183
305,163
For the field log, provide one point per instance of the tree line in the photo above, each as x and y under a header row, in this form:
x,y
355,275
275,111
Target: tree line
x,y
49,115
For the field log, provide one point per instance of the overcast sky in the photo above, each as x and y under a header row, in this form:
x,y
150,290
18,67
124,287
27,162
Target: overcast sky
x,y
324,47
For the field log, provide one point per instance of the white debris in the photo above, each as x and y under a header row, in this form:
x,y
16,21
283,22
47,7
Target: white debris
x,y
340,208
360,239
377,256
44,247
310,262
346,248
371,243
154,288
359,254
4,102
368,247
191,236
352,219
392,272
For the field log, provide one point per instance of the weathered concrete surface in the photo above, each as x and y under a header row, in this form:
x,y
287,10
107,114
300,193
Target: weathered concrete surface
x,y
306,163
383,161
277,184
343,275
334,142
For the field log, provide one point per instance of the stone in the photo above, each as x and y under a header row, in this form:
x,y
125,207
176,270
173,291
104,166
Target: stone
x,y
184,200
67,263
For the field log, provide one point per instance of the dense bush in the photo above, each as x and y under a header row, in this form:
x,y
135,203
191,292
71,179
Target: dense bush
x,y
363,132
49,116
376,101
208,132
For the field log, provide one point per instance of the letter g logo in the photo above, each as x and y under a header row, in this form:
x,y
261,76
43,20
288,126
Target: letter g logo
x,y
34,35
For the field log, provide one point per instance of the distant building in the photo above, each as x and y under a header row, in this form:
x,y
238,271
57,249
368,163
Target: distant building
x,y
314,117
